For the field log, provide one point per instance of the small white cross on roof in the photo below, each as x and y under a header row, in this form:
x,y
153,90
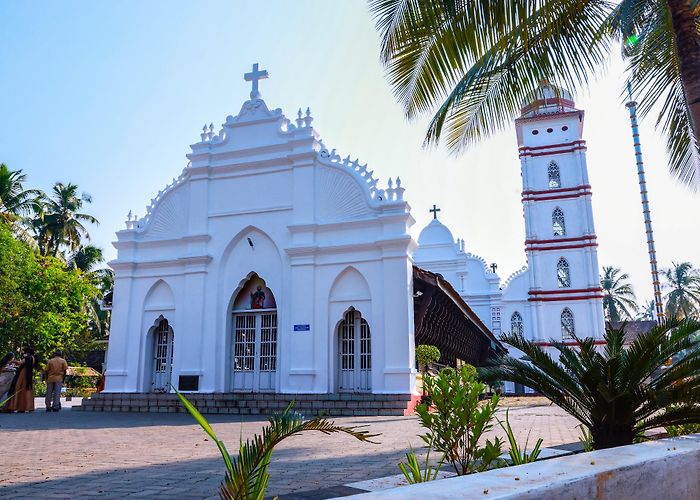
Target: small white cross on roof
x,y
255,76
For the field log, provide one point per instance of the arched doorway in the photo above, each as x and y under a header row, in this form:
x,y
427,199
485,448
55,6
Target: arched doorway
x,y
254,338
162,368
354,353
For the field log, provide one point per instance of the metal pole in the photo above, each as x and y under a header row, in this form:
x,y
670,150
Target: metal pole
x,y
632,106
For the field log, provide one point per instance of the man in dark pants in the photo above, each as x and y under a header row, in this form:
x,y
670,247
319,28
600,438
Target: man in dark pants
x,y
56,369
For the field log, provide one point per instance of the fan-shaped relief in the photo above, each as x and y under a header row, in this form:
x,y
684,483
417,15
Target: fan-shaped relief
x,y
339,196
169,217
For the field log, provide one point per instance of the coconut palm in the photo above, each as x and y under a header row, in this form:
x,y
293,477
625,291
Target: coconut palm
x,y
59,223
618,296
477,61
15,201
86,257
616,392
647,312
683,285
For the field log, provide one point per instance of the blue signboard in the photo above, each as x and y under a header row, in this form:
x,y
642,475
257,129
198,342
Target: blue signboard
x,y
302,328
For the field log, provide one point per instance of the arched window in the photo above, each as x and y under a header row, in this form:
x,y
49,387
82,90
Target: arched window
x,y
563,274
554,177
567,324
558,223
516,324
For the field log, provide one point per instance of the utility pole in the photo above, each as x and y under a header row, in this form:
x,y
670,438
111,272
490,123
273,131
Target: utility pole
x,y
632,106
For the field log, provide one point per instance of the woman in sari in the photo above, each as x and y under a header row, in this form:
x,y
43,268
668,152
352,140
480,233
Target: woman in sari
x,y
23,384
7,375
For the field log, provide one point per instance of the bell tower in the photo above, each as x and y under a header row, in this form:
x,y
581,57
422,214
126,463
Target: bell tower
x,y
564,295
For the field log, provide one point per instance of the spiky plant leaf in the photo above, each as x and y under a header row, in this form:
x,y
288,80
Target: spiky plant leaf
x,y
615,391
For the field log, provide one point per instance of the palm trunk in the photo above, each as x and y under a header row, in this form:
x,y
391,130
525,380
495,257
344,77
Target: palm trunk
x,y
687,38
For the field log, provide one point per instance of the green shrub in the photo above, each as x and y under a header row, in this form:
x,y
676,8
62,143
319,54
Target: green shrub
x,y
39,388
427,354
617,391
682,430
459,420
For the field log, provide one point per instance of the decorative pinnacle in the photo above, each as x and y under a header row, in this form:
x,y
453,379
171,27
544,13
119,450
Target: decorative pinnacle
x,y
308,119
299,120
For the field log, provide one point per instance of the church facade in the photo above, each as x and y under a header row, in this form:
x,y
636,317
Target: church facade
x,y
274,264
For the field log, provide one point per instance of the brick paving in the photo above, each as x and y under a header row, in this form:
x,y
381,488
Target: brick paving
x,y
76,454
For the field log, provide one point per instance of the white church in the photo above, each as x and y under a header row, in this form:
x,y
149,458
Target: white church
x,y
274,264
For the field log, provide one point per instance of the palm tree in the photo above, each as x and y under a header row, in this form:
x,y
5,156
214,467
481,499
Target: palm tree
x,y
15,201
59,222
618,297
476,61
647,311
617,392
86,257
683,283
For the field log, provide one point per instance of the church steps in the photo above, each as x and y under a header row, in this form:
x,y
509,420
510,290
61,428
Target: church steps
x,y
344,404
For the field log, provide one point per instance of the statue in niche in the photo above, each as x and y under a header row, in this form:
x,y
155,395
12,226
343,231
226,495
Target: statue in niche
x,y
257,298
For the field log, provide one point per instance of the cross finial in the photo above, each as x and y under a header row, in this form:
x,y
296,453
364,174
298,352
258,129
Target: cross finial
x,y
434,211
255,76
493,267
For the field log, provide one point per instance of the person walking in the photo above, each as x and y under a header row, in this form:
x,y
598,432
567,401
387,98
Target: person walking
x,y
56,369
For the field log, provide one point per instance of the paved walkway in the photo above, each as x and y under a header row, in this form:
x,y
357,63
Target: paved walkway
x,y
75,454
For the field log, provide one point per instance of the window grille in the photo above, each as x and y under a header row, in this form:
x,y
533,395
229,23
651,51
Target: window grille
x,y
567,324
558,223
554,176
516,324
563,274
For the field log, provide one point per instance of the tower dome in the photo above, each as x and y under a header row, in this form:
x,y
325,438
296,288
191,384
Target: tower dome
x,y
547,99
435,233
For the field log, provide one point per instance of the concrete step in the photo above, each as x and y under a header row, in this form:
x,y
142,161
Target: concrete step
x,y
256,404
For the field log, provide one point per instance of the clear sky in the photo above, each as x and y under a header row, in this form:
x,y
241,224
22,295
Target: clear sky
x,y
109,95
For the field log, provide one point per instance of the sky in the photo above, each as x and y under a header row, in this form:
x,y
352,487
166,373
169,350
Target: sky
x,y
109,95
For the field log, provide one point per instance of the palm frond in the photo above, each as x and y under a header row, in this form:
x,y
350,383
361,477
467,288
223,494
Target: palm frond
x,y
247,475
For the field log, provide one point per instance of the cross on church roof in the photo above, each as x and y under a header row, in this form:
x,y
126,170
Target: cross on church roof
x,y
255,76
434,210
493,267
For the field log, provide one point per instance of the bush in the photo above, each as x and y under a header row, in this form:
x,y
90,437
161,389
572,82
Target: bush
x,y
459,420
39,389
682,430
616,391
427,354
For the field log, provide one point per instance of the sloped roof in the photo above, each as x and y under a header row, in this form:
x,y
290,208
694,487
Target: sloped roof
x,y
444,320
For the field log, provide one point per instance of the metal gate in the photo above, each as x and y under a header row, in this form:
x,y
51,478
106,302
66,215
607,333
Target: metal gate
x,y
162,357
355,354
254,351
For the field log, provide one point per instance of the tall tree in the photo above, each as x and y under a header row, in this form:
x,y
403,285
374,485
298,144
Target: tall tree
x,y
477,61
15,201
647,311
683,285
60,224
618,296
86,258
42,302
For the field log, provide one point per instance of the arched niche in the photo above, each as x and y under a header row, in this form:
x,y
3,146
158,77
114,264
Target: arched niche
x,y
252,294
350,286
159,298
